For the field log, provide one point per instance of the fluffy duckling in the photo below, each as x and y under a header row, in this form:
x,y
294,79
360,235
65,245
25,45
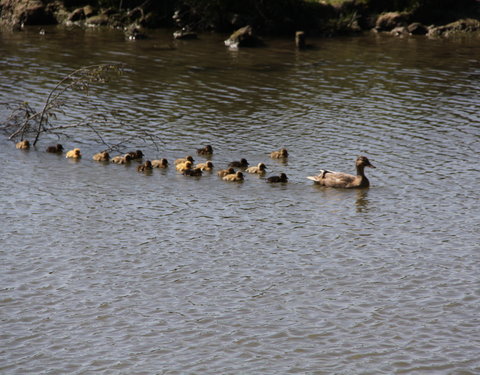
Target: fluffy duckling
x,y
282,178
207,150
136,155
74,154
207,166
182,167
237,177
282,153
243,163
57,149
193,172
23,145
224,172
102,156
259,169
147,166
185,159
162,163
122,159
345,180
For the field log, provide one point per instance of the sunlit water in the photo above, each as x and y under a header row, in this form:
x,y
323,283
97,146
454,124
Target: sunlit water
x,y
106,270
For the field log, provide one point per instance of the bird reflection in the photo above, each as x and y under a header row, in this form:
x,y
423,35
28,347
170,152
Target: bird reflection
x,y
361,202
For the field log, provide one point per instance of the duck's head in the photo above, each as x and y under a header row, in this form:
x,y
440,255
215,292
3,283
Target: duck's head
x,y
59,147
76,151
283,177
262,166
164,161
209,164
139,154
189,158
128,157
362,161
239,174
244,161
208,148
148,164
284,152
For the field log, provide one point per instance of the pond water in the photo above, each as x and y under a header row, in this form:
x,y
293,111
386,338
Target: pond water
x,y
109,271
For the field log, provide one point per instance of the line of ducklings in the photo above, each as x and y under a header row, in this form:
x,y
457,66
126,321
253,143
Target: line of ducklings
x,y
185,165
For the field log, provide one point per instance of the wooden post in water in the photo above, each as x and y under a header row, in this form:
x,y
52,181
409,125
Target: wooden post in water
x,y
300,41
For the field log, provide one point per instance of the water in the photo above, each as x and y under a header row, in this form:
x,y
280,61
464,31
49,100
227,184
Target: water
x,y
106,270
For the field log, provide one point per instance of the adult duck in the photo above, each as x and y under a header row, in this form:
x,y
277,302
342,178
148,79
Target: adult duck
x,y
345,180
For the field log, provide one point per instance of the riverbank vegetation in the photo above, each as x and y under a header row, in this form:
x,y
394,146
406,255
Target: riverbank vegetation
x,y
327,17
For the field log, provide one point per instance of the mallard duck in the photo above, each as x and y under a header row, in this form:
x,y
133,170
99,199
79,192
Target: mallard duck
x,y
74,154
259,169
282,153
183,160
345,180
57,149
147,166
23,145
237,177
207,166
122,159
282,178
136,155
192,172
182,167
162,163
243,163
102,156
207,150
224,172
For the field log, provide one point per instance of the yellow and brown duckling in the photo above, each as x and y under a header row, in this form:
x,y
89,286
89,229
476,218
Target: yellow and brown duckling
x,y
207,150
136,155
345,180
192,172
146,166
224,172
259,169
23,145
74,154
57,149
280,154
102,156
282,178
183,160
182,167
236,177
207,166
161,163
121,159
243,163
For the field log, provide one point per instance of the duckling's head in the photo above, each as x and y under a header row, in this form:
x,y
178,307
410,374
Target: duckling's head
x,y
209,149
362,161
239,174
284,152
244,161
209,164
188,164
76,151
59,147
262,166
148,164
283,177
164,162
128,157
139,154
189,158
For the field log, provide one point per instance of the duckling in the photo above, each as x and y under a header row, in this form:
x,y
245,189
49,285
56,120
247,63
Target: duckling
x,y
243,163
102,156
193,172
182,167
207,150
147,166
224,172
282,153
162,163
57,149
74,154
345,180
136,155
207,166
259,169
237,177
122,159
282,178
23,145
183,160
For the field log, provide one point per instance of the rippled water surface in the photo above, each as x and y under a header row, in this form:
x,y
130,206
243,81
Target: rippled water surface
x,y
106,270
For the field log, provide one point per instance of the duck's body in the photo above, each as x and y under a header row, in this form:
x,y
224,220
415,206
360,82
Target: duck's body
x,y
282,178
237,177
259,169
224,172
57,149
243,163
102,156
136,155
207,166
162,163
147,166
122,159
182,167
74,154
185,159
23,145
193,172
345,180
280,154
207,150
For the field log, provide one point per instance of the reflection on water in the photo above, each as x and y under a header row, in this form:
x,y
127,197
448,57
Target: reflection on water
x,y
107,270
